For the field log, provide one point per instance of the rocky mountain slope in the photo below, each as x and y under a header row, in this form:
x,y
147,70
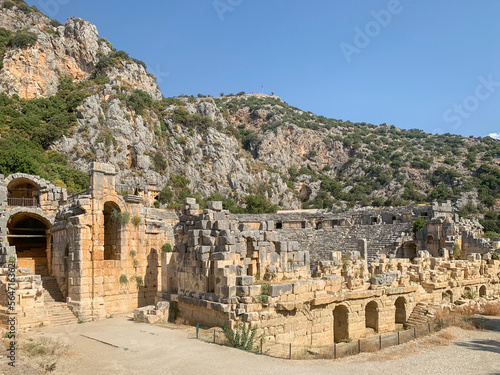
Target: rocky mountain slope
x,y
73,99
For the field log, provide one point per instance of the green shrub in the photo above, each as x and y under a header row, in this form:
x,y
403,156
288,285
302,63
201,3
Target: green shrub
x,y
259,204
123,279
242,337
159,162
138,280
136,221
165,195
23,39
457,252
139,100
469,294
492,235
113,59
117,216
418,224
166,248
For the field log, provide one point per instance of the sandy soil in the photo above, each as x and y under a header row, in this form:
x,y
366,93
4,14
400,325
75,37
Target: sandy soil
x,y
120,346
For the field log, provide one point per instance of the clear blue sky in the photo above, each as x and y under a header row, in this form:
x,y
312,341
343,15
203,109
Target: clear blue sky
x,y
432,65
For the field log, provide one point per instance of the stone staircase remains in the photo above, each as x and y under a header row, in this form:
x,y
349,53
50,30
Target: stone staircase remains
x,y
59,312
421,315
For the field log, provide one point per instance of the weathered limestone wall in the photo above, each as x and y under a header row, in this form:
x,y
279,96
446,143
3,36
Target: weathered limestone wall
x,y
211,278
95,286
28,299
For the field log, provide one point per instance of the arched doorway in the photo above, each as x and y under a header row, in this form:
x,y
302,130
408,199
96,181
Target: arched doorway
x,y
22,192
371,316
112,237
448,296
400,316
482,291
340,323
29,234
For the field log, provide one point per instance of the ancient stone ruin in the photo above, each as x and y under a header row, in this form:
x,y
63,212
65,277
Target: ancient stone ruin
x,y
306,278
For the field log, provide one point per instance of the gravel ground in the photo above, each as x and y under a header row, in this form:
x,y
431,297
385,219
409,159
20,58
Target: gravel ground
x,y
120,346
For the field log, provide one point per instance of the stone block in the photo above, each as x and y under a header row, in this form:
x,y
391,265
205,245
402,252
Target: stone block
x,y
225,240
214,205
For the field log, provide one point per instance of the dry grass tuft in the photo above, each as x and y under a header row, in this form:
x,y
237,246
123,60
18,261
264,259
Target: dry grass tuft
x,y
492,308
43,346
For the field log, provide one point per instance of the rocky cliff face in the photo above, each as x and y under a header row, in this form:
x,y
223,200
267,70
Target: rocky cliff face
x,y
234,145
71,50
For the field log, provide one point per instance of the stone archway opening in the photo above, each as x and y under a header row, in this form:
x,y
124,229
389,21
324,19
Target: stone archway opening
x,y
400,315
340,323
448,296
112,237
482,291
371,316
22,192
28,232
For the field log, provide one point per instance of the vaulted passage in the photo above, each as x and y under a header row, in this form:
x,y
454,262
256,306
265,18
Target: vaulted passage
x,y
448,296
28,233
22,192
340,323
482,291
371,316
112,248
400,317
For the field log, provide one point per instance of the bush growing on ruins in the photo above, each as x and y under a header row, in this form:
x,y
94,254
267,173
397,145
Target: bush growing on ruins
x,y
123,279
117,216
495,256
418,224
133,253
138,280
492,235
259,204
242,337
166,248
469,294
156,204
457,252
136,221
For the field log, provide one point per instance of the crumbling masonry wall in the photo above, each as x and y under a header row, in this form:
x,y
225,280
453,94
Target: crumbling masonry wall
x,y
228,269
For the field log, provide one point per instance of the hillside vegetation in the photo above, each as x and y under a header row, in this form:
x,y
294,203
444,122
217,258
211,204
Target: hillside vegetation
x,y
254,152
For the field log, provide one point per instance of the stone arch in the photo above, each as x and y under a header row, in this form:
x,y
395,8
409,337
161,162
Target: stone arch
x,y
400,314
23,191
112,231
448,296
372,315
340,323
482,291
29,233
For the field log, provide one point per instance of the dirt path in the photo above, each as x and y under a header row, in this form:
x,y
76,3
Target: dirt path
x,y
119,346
